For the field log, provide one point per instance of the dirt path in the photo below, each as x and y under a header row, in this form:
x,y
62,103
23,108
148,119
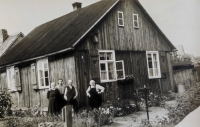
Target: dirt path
x,y
134,120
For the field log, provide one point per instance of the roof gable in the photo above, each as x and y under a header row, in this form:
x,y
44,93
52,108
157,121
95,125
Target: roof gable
x,y
58,34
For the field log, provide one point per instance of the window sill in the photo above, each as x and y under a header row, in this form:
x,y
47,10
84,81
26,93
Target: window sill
x,y
155,77
43,88
108,81
12,91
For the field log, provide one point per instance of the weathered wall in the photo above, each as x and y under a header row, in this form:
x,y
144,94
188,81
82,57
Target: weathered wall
x,y
62,67
112,36
186,77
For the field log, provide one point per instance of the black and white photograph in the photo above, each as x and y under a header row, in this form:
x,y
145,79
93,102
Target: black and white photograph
x,y
99,63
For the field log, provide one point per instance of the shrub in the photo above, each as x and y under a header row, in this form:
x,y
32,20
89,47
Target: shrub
x,y
93,118
27,121
186,104
122,107
5,104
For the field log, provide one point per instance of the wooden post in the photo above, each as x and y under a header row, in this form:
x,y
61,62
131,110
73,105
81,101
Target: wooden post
x,y
67,116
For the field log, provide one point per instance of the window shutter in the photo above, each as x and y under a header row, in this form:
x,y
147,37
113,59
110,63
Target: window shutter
x,y
120,69
17,82
8,73
33,76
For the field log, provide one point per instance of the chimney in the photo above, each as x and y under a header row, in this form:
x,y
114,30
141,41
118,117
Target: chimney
x,y
76,5
3,35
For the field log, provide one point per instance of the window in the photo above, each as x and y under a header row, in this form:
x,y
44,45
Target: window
x,y
135,21
11,78
153,64
120,18
43,73
110,70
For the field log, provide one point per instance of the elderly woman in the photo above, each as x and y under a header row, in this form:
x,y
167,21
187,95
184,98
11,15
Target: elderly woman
x,y
52,95
93,92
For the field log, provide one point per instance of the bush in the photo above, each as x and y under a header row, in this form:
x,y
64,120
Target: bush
x,y
186,104
5,104
44,121
93,118
122,107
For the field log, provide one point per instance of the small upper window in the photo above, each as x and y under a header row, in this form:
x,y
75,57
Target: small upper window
x,y
135,21
153,64
43,73
120,18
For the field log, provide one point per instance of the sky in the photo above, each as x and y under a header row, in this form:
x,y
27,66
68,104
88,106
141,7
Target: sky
x,y
179,20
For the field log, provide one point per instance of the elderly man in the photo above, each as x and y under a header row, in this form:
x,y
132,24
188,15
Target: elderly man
x,y
70,95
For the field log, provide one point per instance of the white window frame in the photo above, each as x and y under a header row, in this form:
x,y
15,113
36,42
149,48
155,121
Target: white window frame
x,y
158,64
10,71
135,20
40,63
118,13
114,66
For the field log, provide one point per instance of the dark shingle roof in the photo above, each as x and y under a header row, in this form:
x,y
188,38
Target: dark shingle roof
x,y
58,34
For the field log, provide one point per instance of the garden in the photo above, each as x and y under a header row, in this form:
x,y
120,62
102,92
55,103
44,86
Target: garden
x,y
112,113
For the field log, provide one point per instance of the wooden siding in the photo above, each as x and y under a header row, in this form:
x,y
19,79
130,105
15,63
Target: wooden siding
x,y
63,67
135,64
112,36
83,75
186,77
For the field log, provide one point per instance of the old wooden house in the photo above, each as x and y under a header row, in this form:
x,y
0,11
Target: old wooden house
x,y
8,41
106,41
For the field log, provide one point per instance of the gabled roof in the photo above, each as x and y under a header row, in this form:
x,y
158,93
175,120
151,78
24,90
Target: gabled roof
x,y
62,34
9,42
58,34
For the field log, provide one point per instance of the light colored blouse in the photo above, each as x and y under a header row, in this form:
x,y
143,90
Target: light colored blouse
x,y
98,88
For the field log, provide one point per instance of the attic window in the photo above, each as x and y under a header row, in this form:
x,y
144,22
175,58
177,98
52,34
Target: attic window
x,y
120,18
43,73
135,21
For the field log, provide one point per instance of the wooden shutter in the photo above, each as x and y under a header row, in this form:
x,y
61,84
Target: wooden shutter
x,y
120,74
17,82
33,76
8,74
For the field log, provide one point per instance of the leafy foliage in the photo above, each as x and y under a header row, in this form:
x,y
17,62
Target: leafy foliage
x,y
93,118
5,104
186,104
123,107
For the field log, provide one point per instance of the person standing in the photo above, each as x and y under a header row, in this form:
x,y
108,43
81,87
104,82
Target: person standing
x,y
61,101
70,96
52,95
94,93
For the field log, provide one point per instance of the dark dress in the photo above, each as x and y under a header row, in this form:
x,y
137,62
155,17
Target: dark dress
x,y
95,99
52,96
71,93
61,102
